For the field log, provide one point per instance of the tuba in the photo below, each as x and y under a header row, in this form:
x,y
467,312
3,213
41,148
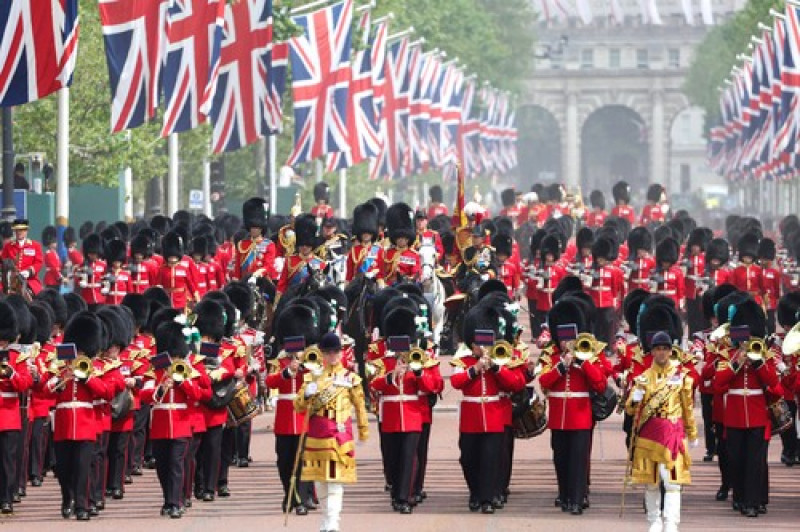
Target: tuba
x,y
501,353
416,359
756,349
585,346
312,359
791,343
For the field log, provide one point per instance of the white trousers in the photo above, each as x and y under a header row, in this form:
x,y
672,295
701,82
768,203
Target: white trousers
x,y
331,495
671,513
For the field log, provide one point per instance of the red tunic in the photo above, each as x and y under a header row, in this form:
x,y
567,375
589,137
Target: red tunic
x,y
28,257
651,213
52,265
567,392
10,388
322,210
671,284
90,283
745,387
437,209
404,263
143,275
695,270
607,286
510,275
639,276
170,418
771,286
120,287
481,409
252,256
747,278
552,275
429,237
399,407
75,418
624,211
596,218
363,259
178,281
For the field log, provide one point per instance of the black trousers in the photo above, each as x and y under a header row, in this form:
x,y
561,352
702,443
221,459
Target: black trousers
x,y
169,455
536,323
9,444
97,479
422,458
506,461
479,462
605,324
286,451
771,322
707,400
227,452
627,426
117,459
382,443
23,451
243,433
208,461
73,462
789,436
138,438
401,453
723,461
694,316
571,458
747,450
190,464
40,435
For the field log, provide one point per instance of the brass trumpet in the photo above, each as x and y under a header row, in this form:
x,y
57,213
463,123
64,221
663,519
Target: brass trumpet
x,y
677,355
312,358
416,358
501,352
585,346
6,371
756,349
179,371
82,367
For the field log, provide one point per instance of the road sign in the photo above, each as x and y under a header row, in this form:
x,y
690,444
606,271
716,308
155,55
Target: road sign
x,y
196,200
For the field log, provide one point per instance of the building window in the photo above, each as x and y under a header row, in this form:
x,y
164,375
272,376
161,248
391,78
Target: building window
x,y
674,58
641,58
614,58
587,58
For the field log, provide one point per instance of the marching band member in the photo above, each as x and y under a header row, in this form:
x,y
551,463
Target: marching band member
x,y
747,275
663,410
366,256
400,262
52,262
567,380
90,274
39,404
653,211
256,252
770,280
622,197
176,276
532,266
597,216
695,264
788,312
322,197
436,206
606,287
301,264
25,253
329,453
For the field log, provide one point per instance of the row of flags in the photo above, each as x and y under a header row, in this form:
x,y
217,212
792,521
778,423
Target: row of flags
x,y
615,10
760,107
188,62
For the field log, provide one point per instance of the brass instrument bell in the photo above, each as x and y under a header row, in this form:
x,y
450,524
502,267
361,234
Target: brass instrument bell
x,y
416,359
756,349
585,346
179,371
312,359
82,367
501,353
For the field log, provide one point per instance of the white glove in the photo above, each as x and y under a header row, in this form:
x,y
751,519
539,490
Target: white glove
x,y
485,277
370,274
104,291
638,395
83,284
311,389
694,444
25,274
781,366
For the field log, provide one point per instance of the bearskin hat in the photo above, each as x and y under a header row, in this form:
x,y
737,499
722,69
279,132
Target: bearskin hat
x,y
631,304
436,194
621,192
93,244
567,286
325,311
747,245
24,318
698,237
297,320
305,230
322,192
597,199
74,304
139,307
141,245
211,319
448,242
380,300
555,192
657,317
409,288
508,197
748,312
640,238
502,244
654,192
118,333
57,304
69,236
678,228
9,326
241,296
490,286
116,251
381,207
584,238
479,318
172,245
766,249
400,222
43,318
332,293
365,220
400,322
667,251
254,214
123,229
550,245
199,246
399,302
170,339
605,248
723,304
565,311
718,249
85,330
86,229
504,225
661,232
48,235
788,313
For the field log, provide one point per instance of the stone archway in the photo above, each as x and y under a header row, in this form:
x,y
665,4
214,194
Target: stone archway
x,y
614,145
538,146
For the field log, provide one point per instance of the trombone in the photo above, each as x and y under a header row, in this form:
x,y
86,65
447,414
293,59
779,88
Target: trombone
x,y
177,372
79,368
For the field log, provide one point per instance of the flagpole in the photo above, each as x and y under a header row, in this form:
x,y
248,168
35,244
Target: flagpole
x,y
8,210
173,150
343,193
400,34
379,20
207,187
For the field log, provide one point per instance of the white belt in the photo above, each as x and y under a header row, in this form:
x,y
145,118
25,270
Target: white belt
x,y
118,294
567,395
667,292
169,406
9,395
99,402
600,288
746,391
75,404
485,399
286,396
399,398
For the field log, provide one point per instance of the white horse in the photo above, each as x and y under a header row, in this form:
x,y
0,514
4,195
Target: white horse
x,y
433,289
337,271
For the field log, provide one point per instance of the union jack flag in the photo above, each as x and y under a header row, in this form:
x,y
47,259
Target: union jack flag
x,y
378,61
135,40
194,36
423,72
320,79
394,118
38,48
238,107
277,86
362,126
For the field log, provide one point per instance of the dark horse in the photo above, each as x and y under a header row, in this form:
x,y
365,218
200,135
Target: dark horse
x,y
457,307
13,282
359,292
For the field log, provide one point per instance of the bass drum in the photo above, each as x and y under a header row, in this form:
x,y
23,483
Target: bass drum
x,y
532,421
222,393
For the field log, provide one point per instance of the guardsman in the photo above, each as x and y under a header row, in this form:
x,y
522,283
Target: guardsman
x,y
303,263
640,263
176,276
717,258
483,418
427,236
436,206
400,263
215,272
510,207
26,254
507,271
117,279
654,212
144,273
256,252
322,197
604,283
366,256
695,265
667,279
74,255
582,262
662,406
597,216
549,275
567,378
90,275
198,249
622,197
52,262
747,275
770,280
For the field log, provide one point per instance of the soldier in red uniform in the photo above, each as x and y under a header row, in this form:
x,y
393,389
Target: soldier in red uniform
x,y
74,255
255,254
175,276
695,264
548,276
483,416
510,207
366,256
117,279
640,263
667,279
322,197
26,254
582,262
605,284
507,271
770,280
622,197
437,206
567,381
198,249
747,275
717,258
52,262
144,273
90,275
303,263
400,263
597,216
653,211
426,236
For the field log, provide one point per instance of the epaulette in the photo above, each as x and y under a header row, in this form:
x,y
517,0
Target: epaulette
x,y
111,365
380,366
225,352
240,351
638,354
22,357
431,363
151,373
457,363
136,365
515,363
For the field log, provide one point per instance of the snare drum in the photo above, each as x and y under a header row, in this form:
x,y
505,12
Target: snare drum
x,y
533,421
242,408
